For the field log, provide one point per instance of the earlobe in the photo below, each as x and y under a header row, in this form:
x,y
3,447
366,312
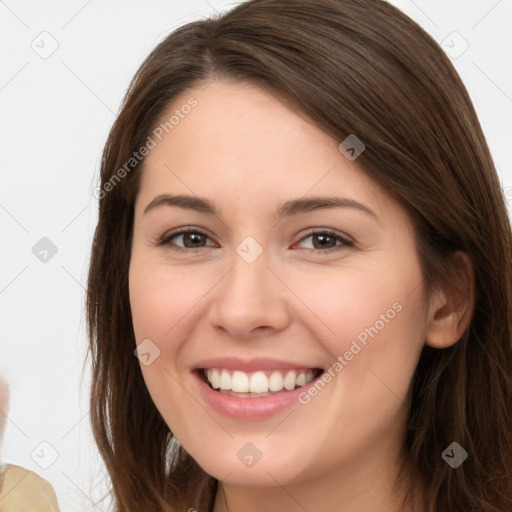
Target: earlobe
x,y
451,308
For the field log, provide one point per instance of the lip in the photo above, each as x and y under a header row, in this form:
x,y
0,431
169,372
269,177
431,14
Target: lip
x,y
248,408
252,365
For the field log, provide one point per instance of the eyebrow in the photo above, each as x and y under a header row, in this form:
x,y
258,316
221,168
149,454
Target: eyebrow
x,y
289,208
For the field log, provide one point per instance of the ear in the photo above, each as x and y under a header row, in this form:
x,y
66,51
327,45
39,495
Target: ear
x,y
451,308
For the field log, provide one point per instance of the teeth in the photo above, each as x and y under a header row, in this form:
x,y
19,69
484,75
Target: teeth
x,y
214,378
225,380
240,382
290,380
275,383
258,382
301,379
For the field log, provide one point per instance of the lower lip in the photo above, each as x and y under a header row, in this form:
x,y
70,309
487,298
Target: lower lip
x,y
250,408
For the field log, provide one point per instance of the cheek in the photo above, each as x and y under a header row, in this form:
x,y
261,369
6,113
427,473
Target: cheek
x,y
372,327
371,321
163,300
161,297
344,302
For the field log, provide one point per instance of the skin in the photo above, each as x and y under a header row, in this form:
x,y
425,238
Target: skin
x,y
248,152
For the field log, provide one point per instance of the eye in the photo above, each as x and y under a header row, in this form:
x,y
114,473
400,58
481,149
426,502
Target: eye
x,y
323,240
185,239
326,240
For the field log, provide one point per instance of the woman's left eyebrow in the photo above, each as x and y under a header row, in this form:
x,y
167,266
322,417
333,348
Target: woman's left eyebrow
x,y
289,208
297,206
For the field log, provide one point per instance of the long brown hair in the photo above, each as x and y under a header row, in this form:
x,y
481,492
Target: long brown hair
x,y
354,67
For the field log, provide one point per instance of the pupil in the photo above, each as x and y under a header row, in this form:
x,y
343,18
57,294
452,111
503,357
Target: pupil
x,y
324,238
195,238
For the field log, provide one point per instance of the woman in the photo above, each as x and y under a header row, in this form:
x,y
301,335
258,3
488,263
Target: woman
x,y
302,235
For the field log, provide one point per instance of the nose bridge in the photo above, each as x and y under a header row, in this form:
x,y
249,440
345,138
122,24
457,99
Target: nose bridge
x,y
247,282
250,296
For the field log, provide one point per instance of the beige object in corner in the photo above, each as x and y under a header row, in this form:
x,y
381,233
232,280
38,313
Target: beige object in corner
x,y
23,490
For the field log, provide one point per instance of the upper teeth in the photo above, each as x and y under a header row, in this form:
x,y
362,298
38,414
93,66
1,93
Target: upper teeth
x,y
258,382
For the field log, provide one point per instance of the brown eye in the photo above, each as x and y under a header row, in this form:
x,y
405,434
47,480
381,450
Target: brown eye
x,y
193,239
183,240
326,240
322,241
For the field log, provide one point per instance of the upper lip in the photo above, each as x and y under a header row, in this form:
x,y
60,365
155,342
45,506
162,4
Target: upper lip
x,y
250,365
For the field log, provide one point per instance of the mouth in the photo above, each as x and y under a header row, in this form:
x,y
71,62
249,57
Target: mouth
x,y
257,384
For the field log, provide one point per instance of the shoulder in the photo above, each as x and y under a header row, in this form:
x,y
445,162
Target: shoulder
x,y
22,489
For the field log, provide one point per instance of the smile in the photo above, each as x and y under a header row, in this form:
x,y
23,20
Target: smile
x,y
257,384
253,389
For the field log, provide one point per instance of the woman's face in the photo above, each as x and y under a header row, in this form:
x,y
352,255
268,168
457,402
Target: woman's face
x,y
292,263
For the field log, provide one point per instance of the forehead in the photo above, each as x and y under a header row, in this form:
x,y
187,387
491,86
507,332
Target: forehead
x,y
242,141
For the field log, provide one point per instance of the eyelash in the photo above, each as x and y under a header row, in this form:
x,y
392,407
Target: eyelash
x,y
166,239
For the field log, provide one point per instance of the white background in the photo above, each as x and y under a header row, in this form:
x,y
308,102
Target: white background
x,y
55,114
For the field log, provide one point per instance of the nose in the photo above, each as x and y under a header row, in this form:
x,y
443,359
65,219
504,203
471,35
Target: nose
x,y
250,301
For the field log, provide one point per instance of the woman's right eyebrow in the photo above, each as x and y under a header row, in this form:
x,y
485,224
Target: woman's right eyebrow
x,y
198,204
289,208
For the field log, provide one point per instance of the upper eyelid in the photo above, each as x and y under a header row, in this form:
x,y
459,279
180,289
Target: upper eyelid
x,y
331,231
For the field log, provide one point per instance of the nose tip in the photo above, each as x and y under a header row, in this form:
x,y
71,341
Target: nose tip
x,y
250,301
